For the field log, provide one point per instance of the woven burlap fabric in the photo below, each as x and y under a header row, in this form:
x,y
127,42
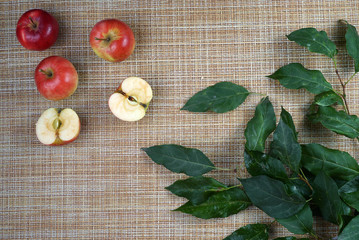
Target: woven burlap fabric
x,y
102,186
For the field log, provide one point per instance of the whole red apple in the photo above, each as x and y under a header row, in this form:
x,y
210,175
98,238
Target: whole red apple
x,y
37,30
56,78
112,40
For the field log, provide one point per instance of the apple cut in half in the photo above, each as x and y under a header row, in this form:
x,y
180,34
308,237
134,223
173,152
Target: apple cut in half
x,y
130,101
58,127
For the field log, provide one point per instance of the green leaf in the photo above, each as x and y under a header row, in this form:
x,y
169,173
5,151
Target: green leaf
x,y
219,205
327,198
350,232
350,193
180,159
337,164
290,238
299,186
337,121
299,223
250,232
260,126
220,98
327,99
352,44
295,76
272,196
285,146
196,189
258,163
288,120
315,41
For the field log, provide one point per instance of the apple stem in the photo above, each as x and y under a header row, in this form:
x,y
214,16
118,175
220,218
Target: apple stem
x,y
103,39
56,123
47,73
34,25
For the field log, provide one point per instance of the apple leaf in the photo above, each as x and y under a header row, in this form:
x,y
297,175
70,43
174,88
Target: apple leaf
x,y
337,121
326,196
288,120
258,163
315,41
349,192
196,189
350,232
220,98
285,146
180,159
327,99
272,196
219,205
337,164
352,44
295,76
260,126
250,231
299,223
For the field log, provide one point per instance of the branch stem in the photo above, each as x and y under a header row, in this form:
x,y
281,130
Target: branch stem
x,y
343,95
351,77
304,179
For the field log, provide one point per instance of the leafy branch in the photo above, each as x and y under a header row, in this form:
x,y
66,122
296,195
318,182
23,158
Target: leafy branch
x,y
289,180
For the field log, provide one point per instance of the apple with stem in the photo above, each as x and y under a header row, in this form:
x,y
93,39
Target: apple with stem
x,y
56,78
37,30
58,127
130,101
112,40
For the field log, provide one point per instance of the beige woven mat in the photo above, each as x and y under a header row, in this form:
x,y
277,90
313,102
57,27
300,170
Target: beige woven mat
x,y
102,186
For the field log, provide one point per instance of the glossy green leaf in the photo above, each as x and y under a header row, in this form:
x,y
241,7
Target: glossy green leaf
x,y
196,189
285,146
272,196
221,97
337,121
352,44
350,193
350,232
295,76
288,120
326,196
250,232
180,159
219,205
337,164
258,163
299,223
260,126
299,186
327,99
315,41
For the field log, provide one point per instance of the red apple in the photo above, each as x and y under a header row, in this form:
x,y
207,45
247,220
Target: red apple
x,y
37,30
58,127
56,78
112,40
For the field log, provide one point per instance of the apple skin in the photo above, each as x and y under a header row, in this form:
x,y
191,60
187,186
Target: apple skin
x,y
37,30
112,40
56,78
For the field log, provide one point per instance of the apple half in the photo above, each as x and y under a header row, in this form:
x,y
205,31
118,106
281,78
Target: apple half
x,y
58,127
130,101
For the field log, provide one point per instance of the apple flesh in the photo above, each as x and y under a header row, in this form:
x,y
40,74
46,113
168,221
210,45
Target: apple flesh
x,y
112,40
56,78
130,101
58,127
37,30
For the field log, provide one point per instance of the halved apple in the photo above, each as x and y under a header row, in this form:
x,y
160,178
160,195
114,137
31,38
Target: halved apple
x,y
130,101
58,127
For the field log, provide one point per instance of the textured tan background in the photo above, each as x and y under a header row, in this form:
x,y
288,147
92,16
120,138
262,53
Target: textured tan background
x,y
102,186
